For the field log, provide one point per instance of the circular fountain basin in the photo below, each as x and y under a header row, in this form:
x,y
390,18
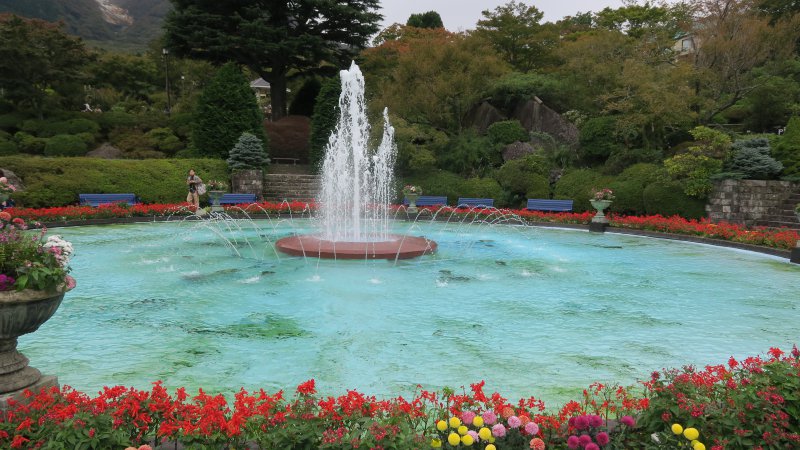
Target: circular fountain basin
x,y
397,247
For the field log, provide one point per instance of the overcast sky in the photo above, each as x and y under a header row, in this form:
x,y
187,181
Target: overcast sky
x,y
464,14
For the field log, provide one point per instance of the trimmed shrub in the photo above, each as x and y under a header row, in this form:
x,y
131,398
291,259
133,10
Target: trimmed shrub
x,y
323,120
248,153
164,140
483,188
8,147
420,159
115,119
630,184
524,178
507,132
623,157
30,144
439,182
73,126
65,145
226,109
12,121
579,185
668,199
58,181
751,158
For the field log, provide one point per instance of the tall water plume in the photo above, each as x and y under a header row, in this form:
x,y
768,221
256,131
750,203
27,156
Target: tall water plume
x,y
357,184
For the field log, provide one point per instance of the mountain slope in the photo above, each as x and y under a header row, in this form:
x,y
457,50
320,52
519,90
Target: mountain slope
x,y
129,24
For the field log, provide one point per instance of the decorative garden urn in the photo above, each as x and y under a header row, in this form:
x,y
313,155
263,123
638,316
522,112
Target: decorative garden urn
x,y
412,203
214,197
22,312
600,205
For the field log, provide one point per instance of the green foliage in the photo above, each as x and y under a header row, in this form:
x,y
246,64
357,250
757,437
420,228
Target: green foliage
x,y
708,142
623,157
303,101
72,126
787,151
667,198
598,140
694,171
579,185
516,87
65,145
8,147
248,153
323,120
164,140
439,182
430,19
266,38
751,158
515,33
114,119
468,155
58,181
226,109
524,178
630,184
507,132
415,145
482,188
30,144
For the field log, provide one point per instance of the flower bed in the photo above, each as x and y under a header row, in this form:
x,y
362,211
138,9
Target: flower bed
x,y
781,238
747,404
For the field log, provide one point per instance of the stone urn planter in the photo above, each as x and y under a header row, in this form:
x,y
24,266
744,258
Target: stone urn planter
x,y
412,203
214,197
21,313
600,206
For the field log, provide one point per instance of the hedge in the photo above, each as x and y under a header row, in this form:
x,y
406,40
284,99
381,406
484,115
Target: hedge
x,y
630,184
58,181
579,185
668,199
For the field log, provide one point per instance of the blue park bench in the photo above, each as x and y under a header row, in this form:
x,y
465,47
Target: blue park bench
x,y
428,200
237,199
107,199
467,202
540,204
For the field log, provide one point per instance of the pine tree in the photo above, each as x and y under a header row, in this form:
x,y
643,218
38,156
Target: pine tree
x,y
227,108
247,154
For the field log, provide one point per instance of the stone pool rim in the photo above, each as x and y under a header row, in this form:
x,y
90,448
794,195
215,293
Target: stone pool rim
x,y
610,229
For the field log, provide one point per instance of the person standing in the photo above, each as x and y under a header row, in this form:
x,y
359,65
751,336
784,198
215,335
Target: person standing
x,y
193,181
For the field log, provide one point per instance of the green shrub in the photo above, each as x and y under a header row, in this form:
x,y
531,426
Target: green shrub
x,y
164,140
115,119
12,121
439,182
87,138
524,178
787,150
323,120
226,109
694,171
668,199
507,132
751,158
420,159
482,188
623,157
598,140
58,181
517,87
65,145
579,185
468,155
8,147
415,144
30,144
72,126
630,184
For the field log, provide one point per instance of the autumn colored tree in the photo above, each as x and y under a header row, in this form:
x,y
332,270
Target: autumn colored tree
x,y
39,61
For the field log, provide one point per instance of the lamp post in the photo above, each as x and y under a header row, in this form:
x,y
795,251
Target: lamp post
x,y
165,52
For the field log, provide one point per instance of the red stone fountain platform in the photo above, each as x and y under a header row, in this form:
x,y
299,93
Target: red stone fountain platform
x,y
399,247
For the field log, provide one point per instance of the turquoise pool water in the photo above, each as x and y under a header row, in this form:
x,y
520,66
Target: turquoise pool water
x,y
533,311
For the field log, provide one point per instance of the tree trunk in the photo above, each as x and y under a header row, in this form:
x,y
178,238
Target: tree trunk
x,y
278,94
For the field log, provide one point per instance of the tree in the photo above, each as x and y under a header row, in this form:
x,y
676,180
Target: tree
x,y
247,154
430,19
38,61
323,121
514,31
272,37
226,109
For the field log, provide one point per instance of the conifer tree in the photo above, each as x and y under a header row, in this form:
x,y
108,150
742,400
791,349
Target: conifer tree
x,y
247,154
227,108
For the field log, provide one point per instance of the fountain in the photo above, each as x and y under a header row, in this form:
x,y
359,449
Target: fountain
x,y
357,188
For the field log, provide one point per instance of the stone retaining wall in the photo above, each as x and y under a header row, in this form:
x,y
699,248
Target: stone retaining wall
x,y
749,202
248,182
